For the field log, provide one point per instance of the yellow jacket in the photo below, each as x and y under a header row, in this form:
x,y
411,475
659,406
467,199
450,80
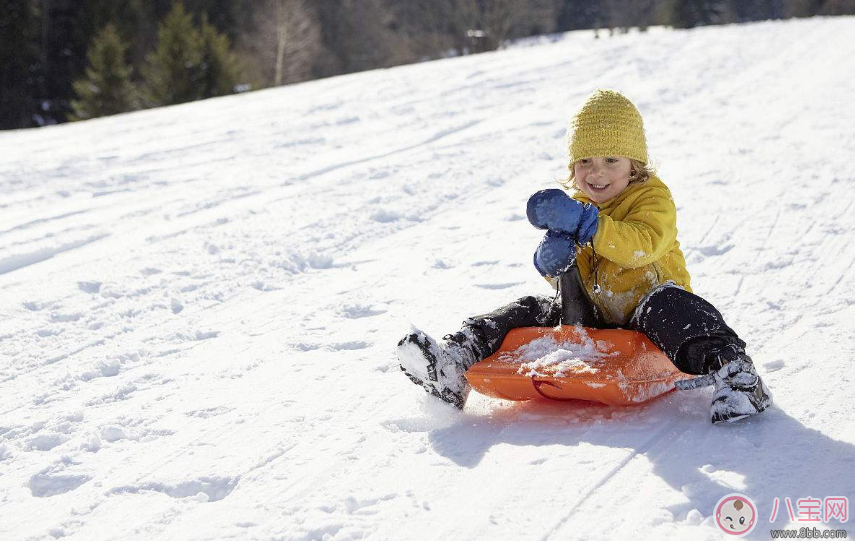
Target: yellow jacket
x,y
634,250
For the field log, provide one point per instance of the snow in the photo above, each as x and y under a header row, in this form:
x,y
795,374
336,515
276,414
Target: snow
x,y
200,304
550,357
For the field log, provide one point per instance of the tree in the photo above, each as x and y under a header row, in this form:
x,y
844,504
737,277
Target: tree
x,y
134,20
421,26
19,65
500,19
107,88
62,58
283,43
188,64
219,69
172,70
356,36
227,16
539,17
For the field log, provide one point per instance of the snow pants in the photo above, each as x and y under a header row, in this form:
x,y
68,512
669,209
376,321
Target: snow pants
x,y
687,328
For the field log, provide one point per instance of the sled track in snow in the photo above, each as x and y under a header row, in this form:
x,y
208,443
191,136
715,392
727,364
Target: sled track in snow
x,y
652,441
434,138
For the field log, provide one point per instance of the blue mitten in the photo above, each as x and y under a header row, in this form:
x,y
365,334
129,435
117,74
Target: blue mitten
x,y
555,253
555,210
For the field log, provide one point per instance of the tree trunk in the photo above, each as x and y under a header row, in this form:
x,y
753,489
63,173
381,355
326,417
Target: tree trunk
x,y
281,37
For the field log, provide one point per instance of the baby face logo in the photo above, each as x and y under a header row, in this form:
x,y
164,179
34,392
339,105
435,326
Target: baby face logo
x,y
736,514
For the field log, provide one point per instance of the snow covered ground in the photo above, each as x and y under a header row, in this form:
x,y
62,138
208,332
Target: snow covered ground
x,y
199,304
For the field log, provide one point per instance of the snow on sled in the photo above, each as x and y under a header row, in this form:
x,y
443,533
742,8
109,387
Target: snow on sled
x,y
613,366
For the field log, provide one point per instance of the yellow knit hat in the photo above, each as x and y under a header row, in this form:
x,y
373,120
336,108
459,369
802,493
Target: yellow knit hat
x,y
608,124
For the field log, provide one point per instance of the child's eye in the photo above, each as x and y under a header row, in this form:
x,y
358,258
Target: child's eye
x,y
611,160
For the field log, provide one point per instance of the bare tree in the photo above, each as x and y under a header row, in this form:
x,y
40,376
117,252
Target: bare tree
x,y
501,18
283,42
295,31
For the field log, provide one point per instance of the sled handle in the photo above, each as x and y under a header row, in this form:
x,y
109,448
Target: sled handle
x,y
576,306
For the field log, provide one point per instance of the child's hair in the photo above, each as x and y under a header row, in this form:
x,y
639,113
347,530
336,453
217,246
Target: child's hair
x,y
639,173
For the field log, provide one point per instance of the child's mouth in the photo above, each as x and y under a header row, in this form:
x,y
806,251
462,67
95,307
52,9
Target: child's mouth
x,y
598,187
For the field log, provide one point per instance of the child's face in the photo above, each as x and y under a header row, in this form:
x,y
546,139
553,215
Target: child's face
x,y
602,178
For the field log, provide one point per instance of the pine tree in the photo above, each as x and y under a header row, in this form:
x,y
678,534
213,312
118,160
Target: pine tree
x,y
173,70
189,63
219,68
107,88
19,65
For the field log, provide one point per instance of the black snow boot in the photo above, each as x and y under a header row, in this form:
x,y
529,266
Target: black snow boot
x,y
739,391
438,367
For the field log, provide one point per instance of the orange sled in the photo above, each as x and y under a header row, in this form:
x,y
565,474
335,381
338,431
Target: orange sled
x,y
613,366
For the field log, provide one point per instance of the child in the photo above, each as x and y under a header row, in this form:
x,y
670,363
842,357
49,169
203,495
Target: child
x,y
613,250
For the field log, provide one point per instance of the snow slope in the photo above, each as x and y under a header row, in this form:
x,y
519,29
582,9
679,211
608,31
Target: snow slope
x,y
199,304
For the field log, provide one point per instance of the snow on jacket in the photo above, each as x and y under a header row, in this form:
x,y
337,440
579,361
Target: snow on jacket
x,y
634,250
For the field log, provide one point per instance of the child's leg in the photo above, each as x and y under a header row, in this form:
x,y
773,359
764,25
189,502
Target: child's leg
x,y
693,334
484,334
688,329
440,366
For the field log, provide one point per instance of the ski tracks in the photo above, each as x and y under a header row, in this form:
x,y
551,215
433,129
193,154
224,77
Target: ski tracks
x,y
670,427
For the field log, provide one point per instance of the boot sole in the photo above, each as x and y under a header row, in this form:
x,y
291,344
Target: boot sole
x,y
413,351
763,406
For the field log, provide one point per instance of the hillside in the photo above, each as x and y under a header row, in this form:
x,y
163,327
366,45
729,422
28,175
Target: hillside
x,y
200,303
